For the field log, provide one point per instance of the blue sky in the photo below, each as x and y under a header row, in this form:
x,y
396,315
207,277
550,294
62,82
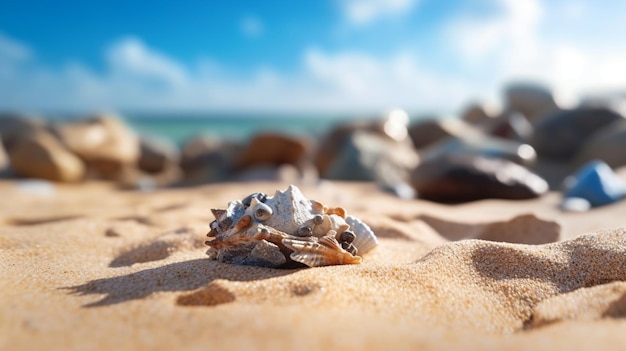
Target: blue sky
x,y
324,55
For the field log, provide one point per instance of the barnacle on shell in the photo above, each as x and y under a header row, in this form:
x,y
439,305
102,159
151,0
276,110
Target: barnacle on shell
x,y
287,228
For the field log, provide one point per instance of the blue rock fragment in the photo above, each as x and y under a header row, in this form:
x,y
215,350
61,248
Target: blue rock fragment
x,y
597,183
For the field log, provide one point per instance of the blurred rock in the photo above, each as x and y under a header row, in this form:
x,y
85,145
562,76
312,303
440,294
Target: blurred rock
x,y
510,125
157,155
476,114
460,178
561,135
4,159
484,146
268,149
374,150
391,126
607,144
104,142
331,144
597,183
14,126
531,100
428,132
40,155
368,156
205,160
614,102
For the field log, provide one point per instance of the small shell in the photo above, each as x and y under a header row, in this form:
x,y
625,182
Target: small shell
x,y
325,252
365,240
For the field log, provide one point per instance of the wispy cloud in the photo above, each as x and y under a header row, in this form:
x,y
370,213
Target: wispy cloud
x,y
516,43
364,12
13,50
251,26
130,57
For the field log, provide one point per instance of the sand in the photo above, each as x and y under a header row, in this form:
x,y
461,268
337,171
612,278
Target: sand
x,y
91,267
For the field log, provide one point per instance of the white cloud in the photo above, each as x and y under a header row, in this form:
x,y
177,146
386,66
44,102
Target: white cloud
x,y
251,26
138,77
363,12
130,56
522,42
13,50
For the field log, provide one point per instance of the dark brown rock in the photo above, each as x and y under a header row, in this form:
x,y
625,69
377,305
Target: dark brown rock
x,y
460,178
157,155
428,132
268,149
104,142
476,114
40,155
561,135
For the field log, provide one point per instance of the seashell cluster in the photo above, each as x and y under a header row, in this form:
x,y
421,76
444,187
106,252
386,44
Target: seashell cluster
x,y
287,230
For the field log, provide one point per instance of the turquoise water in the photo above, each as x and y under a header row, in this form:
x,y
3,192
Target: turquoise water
x,y
180,127
232,127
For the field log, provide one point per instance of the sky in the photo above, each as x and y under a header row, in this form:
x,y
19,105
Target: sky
x,y
303,56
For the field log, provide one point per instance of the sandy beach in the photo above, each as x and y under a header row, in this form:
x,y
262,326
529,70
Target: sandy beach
x,y
92,267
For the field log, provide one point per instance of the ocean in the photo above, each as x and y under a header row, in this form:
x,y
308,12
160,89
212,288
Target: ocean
x,y
180,127
237,127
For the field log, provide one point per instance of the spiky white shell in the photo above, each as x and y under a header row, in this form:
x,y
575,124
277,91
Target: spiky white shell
x,y
291,210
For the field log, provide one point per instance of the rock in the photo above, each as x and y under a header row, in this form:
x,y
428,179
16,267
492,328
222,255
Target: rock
x,y
459,178
476,114
511,125
104,142
268,149
14,127
607,144
368,156
428,132
485,146
42,156
157,155
4,159
531,100
332,143
597,183
206,160
562,134
341,148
